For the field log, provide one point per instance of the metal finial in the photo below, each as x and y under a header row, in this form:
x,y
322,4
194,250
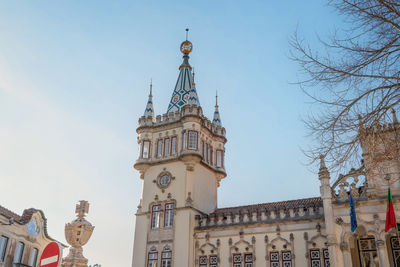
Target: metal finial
x,y
216,98
187,31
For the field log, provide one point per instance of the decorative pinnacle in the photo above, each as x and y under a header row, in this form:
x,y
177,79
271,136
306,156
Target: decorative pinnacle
x,y
323,171
151,88
395,121
216,99
187,32
82,208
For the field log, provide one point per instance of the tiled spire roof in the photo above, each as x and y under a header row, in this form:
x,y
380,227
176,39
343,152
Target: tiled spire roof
x,y
217,118
185,89
149,111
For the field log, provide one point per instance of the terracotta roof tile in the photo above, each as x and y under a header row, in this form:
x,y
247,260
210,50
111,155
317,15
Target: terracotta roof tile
x,y
297,203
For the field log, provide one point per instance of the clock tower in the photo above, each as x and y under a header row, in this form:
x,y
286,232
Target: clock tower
x,y
181,164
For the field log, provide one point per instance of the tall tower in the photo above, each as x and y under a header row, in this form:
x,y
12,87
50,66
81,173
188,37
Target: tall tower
x,y
181,163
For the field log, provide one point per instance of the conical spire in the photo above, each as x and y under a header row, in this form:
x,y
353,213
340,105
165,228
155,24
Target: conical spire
x,y
193,98
185,90
323,170
149,111
217,118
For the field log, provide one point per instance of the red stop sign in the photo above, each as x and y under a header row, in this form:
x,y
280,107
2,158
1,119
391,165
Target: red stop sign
x,y
51,255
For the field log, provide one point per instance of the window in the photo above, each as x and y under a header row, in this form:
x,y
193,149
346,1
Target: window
x,y
33,258
166,147
192,140
315,257
146,149
213,261
367,251
152,258
203,261
159,148
326,257
248,260
184,141
169,215
274,259
155,216
211,155
237,260
286,258
166,257
173,145
19,252
3,247
219,158
206,152
202,149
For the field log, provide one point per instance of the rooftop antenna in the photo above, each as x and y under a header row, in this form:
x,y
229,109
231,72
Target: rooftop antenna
x,y
187,32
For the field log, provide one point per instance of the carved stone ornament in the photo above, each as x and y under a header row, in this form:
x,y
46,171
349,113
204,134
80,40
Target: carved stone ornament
x,y
77,234
164,179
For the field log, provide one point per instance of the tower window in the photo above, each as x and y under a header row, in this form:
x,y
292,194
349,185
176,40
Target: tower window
x,y
206,150
211,155
169,215
155,216
166,147
166,257
315,257
202,149
326,257
192,140
173,145
159,148
219,158
145,149
3,247
152,258
184,141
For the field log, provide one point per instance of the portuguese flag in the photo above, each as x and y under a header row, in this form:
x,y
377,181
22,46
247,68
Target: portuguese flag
x,y
390,217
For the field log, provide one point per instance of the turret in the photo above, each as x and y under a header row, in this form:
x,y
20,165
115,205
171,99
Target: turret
x,y
217,119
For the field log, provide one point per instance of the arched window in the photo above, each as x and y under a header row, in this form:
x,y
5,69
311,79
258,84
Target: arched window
x,y
166,257
146,149
152,258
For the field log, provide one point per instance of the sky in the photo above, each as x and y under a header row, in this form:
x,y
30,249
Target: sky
x,y
74,79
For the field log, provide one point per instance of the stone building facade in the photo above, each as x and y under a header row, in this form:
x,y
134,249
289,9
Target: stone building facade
x,y
178,223
22,237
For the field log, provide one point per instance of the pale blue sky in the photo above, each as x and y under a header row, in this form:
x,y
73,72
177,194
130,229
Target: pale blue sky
x,y
74,79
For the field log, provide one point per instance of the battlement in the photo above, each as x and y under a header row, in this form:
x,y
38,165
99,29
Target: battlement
x,y
380,128
303,209
188,110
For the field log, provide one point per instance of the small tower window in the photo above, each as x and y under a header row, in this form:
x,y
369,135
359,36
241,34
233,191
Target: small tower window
x,y
202,149
152,258
166,257
19,252
184,141
33,258
166,147
192,140
155,216
211,155
173,145
145,149
159,148
3,247
169,215
219,158
206,152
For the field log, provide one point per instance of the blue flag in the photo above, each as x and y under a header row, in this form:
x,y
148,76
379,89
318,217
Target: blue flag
x,y
353,219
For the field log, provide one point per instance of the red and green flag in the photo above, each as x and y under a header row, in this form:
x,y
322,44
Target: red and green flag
x,y
390,217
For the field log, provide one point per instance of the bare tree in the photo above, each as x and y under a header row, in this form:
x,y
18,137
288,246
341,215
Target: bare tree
x,y
355,80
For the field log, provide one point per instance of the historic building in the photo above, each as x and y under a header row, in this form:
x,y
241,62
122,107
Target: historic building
x,y
178,222
22,238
